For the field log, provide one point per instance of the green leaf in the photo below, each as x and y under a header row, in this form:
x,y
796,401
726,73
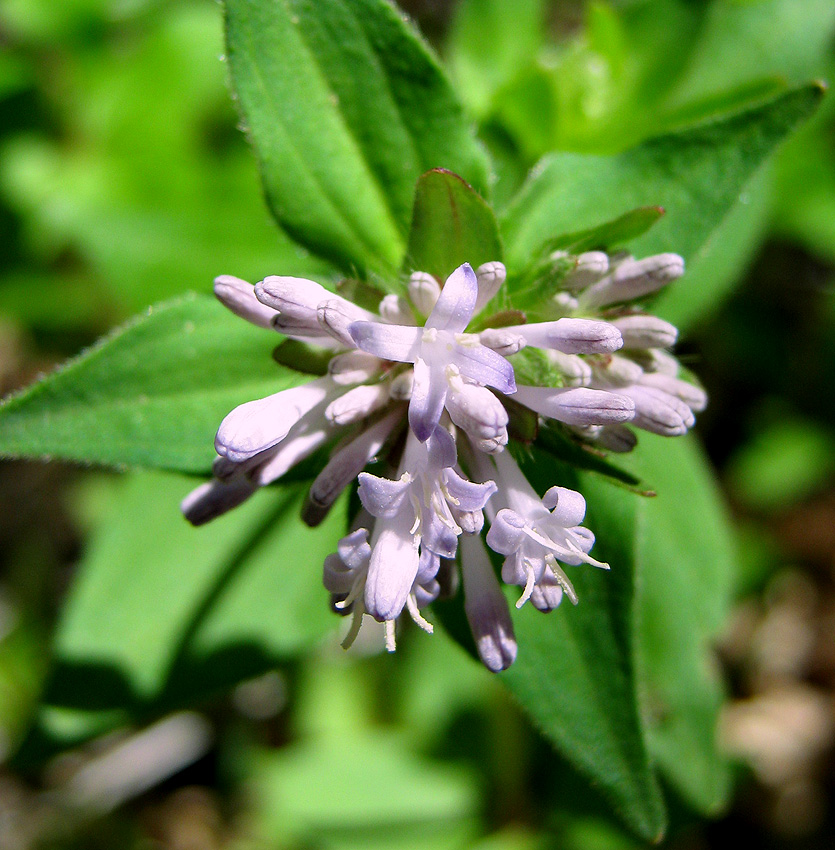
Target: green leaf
x,y
685,561
696,175
574,673
151,208
346,108
451,225
742,43
202,610
610,235
490,42
556,443
151,394
722,260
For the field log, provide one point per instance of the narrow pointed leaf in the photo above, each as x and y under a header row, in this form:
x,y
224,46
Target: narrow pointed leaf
x,y
696,174
574,673
151,394
346,108
686,564
451,224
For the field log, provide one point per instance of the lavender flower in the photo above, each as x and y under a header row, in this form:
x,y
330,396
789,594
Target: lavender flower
x,y
414,387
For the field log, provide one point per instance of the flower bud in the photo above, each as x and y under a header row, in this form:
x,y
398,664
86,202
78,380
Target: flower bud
x,y
642,331
395,309
486,607
580,406
633,279
357,403
490,277
590,267
239,297
424,291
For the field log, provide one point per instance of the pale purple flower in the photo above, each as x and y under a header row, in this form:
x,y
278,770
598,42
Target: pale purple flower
x,y
413,387
439,344
534,534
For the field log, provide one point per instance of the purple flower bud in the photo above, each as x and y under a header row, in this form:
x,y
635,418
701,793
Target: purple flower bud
x,y
239,297
424,292
490,277
646,332
633,279
579,406
486,608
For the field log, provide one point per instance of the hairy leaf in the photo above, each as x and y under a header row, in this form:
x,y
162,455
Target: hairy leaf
x,y
695,174
575,674
346,108
151,394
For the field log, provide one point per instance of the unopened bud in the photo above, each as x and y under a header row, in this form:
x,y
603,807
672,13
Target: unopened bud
x,y
239,297
490,277
591,266
633,279
646,332
356,404
395,309
424,292
486,607
503,341
580,406
336,315
353,367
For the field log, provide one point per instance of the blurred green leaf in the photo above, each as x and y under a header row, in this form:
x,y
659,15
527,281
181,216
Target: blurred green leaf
x,y
23,663
686,566
746,41
489,43
151,394
575,674
695,174
610,235
805,186
451,225
342,138
720,263
783,463
206,608
308,793
151,208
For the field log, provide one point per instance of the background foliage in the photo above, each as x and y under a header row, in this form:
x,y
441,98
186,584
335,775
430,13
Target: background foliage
x,y
124,181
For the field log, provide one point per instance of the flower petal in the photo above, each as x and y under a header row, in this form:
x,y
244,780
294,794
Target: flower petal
x,y
483,366
389,342
427,402
468,495
382,497
454,308
507,532
393,567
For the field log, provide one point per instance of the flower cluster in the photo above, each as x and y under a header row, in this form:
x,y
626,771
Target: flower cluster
x,y
421,387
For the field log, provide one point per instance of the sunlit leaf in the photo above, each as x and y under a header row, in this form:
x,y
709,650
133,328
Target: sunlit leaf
x,y
685,560
696,175
574,673
451,225
151,394
346,108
